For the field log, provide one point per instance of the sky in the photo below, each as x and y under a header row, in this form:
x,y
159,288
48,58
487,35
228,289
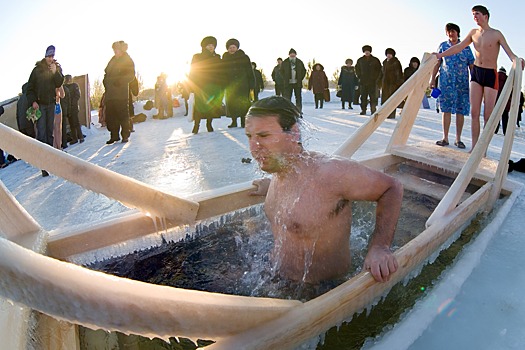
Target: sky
x,y
164,35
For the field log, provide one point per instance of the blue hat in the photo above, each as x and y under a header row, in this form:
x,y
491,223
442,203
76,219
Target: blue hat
x,y
50,51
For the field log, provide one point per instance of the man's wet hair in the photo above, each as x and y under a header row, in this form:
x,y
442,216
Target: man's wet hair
x,y
287,113
452,26
481,9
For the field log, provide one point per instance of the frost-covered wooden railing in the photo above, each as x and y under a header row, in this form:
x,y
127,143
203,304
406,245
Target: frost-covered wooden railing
x,y
451,199
126,190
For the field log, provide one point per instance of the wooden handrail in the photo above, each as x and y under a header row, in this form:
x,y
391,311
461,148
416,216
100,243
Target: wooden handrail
x,y
451,199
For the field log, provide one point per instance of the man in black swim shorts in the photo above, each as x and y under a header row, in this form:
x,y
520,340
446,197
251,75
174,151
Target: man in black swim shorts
x,y
486,77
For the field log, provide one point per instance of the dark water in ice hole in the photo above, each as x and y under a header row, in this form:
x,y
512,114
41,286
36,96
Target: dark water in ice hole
x,y
233,258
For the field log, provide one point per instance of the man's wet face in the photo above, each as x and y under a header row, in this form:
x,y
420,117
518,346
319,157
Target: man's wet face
x,y
268,142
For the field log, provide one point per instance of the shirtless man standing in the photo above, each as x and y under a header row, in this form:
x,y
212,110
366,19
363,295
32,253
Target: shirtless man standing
x,y
309,199
484,76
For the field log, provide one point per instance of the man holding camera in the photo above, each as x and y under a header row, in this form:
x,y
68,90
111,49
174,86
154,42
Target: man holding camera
x,y
45,78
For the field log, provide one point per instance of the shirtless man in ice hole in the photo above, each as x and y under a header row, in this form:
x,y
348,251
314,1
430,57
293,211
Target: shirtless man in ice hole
x,y
309,200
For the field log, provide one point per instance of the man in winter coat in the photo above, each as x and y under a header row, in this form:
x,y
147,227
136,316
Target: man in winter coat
x,y
239,81
259,83
392,77
368,70
293,72
72,115
277,77
45,78
206,82
119,72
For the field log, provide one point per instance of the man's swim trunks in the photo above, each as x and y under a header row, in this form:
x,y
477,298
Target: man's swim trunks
x,y
485,77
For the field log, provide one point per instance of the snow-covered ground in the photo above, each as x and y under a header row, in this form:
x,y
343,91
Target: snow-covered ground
x,y
488,312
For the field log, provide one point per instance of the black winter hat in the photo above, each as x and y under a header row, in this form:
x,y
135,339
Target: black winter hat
x,y
208,40
390,51
367,48
415,59
232,42
292,51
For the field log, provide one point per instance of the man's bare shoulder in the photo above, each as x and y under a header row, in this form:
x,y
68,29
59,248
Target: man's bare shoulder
x,y
331,164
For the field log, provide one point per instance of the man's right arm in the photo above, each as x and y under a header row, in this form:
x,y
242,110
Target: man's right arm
x,y
454,49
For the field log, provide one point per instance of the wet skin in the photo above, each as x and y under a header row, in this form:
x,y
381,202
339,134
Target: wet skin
x,y
308,203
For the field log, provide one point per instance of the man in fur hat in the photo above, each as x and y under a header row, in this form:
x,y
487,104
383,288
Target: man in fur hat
x,y
205,81
368,70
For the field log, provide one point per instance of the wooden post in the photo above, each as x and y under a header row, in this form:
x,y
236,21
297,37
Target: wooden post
x,y
501,172
409,113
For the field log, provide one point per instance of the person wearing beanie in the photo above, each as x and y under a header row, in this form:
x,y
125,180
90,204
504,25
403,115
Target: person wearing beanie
x,y
205,81
454,85
368,70
293,72
239,81
44,80
119,72
392,77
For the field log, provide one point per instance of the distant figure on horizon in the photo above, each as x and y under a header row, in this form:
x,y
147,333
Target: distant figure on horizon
x,y
318,83
161,97
119,72
484,82
368,70
313,248
392,77
293,72
278,78
348,82
45,78
239,81
453,83
206,81
259,83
